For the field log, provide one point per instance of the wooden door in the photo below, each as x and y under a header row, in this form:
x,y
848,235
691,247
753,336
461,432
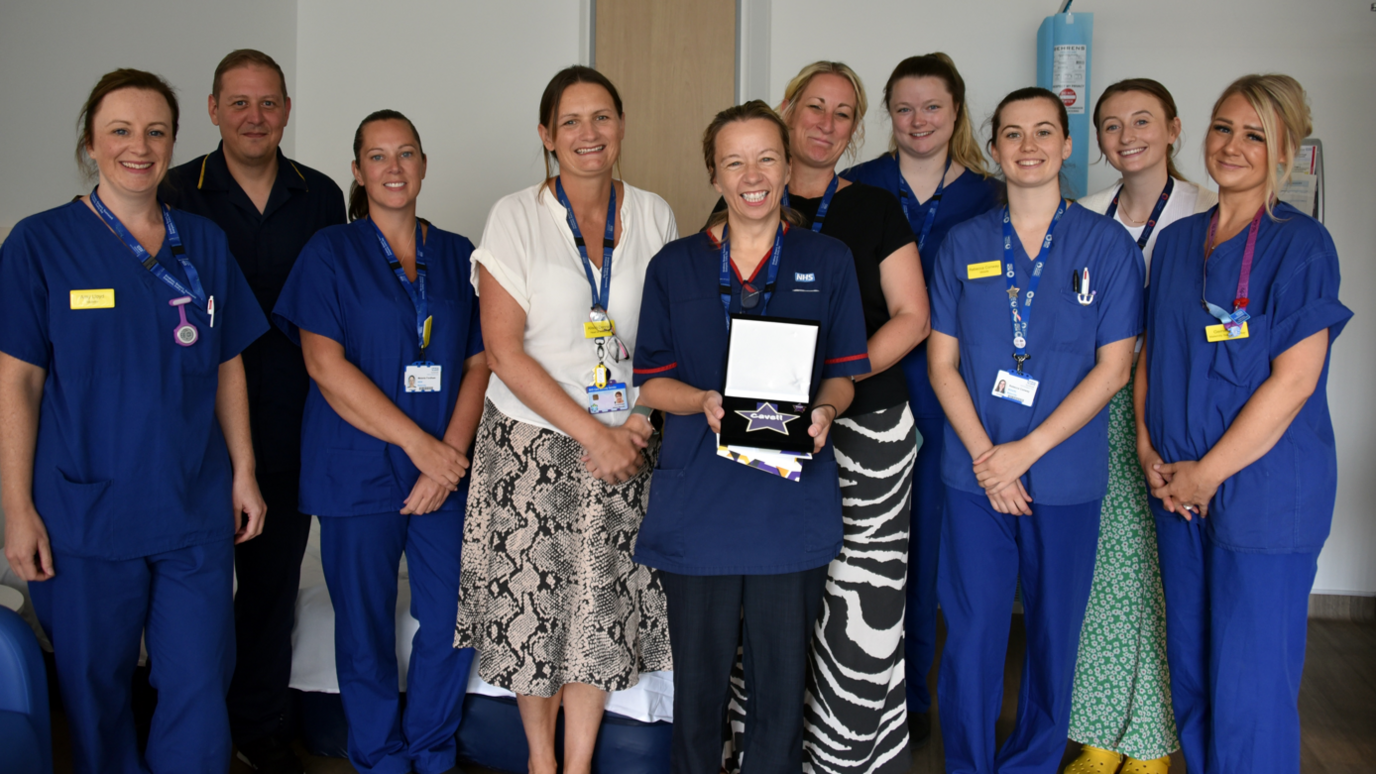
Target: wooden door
x,y
675,65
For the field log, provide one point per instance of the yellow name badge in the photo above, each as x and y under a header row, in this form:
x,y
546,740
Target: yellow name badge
x,y
93,299
598,330
982,270
425,331
1219,333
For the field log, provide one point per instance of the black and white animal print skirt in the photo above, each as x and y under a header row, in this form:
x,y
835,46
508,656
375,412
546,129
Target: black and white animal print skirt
x,y
856,714
548,592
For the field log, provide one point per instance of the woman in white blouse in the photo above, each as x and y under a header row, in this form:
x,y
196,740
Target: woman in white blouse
x,y
549,595
1121,706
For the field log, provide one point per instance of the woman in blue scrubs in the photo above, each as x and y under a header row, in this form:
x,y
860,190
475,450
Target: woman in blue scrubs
x,y
125,449
742,553
389,328
936,169
1235,438
1025,466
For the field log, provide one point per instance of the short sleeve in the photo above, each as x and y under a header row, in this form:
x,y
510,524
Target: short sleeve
x,y
896,233
1306,301
1121,306
943,288
23,301
310,298
237,307
654,341
847,349
504,251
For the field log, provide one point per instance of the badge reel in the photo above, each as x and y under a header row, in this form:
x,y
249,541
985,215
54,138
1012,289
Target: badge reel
x,y
604,395
423,375
185,333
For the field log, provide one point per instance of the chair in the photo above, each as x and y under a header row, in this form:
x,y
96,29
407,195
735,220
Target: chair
x,y
25,726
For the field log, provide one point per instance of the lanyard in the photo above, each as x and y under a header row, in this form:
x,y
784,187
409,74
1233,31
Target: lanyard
x,y
1155,211
823,207
724,281
416,291
905,193
1244,277
1010,270
174,243
599,300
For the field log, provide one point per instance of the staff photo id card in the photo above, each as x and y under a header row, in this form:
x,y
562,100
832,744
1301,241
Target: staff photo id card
x,y
768,385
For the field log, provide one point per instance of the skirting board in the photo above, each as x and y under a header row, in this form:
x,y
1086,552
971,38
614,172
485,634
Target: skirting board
x,y
1341,607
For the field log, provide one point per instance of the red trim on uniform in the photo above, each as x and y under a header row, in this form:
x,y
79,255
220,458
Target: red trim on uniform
x,y
846,359
659,370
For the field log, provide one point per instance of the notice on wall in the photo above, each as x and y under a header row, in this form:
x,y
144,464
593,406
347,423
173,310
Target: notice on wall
x,y
1068,74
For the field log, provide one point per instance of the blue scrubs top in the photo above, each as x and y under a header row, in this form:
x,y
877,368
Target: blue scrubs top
x,y
1284,501
343,288
709,515
130,459
1062,338
969,195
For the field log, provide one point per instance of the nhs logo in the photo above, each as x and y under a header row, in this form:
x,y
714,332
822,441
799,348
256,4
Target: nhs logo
x,y
801,277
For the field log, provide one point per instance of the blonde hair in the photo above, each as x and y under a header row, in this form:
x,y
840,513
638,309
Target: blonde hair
x,y
964,148
1283,108
799,84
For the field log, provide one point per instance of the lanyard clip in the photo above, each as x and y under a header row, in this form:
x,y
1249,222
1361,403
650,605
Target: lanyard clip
x,y
1020,359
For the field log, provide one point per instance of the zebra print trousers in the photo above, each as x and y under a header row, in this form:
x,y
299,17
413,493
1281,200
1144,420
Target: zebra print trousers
x,y
855,719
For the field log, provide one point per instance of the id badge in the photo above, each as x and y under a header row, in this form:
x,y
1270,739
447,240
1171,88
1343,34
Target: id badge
x,y
604,400
1220,332
422,377
599,329
1017,388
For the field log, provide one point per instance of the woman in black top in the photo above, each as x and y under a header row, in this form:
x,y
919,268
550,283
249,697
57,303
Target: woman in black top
x,y
851,693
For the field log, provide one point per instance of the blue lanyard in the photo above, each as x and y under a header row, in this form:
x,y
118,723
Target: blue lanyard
x,y
416,291
823,207
599,300
724,281
174,243
905,193
1155,211
1010,270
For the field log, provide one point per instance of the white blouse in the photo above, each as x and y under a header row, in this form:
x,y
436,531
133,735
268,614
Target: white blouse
x,y
528,248
1186,200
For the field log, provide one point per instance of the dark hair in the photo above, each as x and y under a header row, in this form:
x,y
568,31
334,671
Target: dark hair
x,y
1152,88
245,57
113,81
964,148
358,197
1030,92
750,111
554,91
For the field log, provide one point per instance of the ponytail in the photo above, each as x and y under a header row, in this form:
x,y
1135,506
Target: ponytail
x,y
358,196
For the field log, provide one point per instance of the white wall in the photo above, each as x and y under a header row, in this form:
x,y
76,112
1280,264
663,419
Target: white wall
x,y
469,75
1196,49
53,51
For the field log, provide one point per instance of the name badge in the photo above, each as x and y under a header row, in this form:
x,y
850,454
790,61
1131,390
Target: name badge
x,y
93,299
1019,389
599,329
423,377
982,270
1220,332
604,400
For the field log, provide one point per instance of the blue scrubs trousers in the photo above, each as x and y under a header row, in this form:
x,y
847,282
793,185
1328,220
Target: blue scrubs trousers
x,y
929,497
984,554
1235,636
95,611
361,556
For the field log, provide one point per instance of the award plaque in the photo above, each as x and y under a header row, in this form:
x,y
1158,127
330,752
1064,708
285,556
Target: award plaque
x,y
768,385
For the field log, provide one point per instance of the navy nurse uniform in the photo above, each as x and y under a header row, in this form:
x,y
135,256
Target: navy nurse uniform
x,y
343,288
969,195
725,536
1237,582
132,478
985,554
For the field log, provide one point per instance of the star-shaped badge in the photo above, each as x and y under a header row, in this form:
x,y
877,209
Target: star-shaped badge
x,y
1012,293
767,416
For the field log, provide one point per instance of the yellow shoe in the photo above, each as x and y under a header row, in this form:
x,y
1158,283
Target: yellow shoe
x,y
1156,766
1093,760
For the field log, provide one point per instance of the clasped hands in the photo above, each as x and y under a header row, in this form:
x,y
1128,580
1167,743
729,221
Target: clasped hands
x,y
441,466
614,455
999,471
1184,487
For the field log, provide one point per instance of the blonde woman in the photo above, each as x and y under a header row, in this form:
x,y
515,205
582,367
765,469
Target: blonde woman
x,y
1235,438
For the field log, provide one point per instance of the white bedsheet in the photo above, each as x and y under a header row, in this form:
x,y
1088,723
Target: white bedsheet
x,y
312,641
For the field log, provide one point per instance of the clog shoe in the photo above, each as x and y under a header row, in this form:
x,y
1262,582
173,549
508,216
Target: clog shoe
x,y
1093,760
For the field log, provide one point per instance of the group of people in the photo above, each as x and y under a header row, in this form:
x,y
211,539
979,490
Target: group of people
x,y
1150,468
